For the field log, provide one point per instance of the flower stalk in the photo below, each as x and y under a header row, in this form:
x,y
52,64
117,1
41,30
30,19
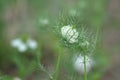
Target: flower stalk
x,y
85,73
40,66
58,65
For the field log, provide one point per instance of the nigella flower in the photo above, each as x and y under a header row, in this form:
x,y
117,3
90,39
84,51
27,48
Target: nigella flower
x,y
16,78
22,47
44,21
73,12
19,44
82,4
32,44
69,33
16,42
79,64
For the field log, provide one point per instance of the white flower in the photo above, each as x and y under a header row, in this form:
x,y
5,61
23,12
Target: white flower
x,y
16,42
16,78
79,64
82,4
44,21
32,44
72,12
69,33
19,44
22,47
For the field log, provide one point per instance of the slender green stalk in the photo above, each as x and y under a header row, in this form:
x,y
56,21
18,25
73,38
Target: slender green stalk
x,y
42,67
73,77
85,73
58,65
38,56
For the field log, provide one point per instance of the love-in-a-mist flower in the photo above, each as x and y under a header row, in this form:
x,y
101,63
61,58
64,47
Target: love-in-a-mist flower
x,y
79,64
82,4
16,42
19,44
73,12
22,47
44,21
16,78
69,33
32,44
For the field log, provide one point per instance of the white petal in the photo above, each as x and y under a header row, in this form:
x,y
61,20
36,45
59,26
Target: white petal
x,y
79,64
44,21
22,47
16,78
65,30
72,12
32,44
70,34
16,42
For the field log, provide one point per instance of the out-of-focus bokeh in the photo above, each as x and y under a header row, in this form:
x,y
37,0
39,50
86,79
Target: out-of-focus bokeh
x,y
27,37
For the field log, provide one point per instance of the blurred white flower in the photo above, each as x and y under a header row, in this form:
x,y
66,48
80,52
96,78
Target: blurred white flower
x,y
82,4
16,78
73,12
16,42
19,44
79,64
32,44
22,47
44,21
69,33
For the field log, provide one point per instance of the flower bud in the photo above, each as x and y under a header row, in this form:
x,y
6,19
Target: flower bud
x,y
69,33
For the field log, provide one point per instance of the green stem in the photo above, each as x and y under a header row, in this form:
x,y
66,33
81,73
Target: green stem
x,y
73,76
85,73
58,65
39,55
